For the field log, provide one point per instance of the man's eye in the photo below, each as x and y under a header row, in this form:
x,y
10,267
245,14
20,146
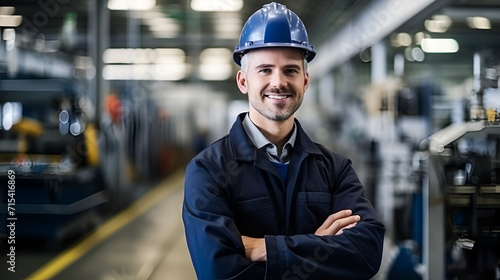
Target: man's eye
x,y
265,71
291,71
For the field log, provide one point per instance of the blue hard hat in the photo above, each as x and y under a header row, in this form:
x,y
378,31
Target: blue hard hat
x,y
274,25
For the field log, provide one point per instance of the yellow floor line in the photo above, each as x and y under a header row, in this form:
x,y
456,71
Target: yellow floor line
x,y
69,256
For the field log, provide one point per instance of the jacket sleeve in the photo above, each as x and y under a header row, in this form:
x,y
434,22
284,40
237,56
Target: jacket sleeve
x,y
354,254
213,239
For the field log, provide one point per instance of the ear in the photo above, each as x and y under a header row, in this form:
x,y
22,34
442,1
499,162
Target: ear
x,y
306,82
241,81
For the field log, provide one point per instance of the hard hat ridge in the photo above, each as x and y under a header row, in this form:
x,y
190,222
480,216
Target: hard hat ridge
x,y
277,30
274,25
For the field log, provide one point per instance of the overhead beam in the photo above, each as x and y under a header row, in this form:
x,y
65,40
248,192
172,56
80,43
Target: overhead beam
x,y
367,28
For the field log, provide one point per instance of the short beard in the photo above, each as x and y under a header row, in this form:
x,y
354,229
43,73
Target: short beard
x,y
282,114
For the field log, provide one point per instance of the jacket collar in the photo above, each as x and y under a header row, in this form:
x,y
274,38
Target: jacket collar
x,y
244,149
260,141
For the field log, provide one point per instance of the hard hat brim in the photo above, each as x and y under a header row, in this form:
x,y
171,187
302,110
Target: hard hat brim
x,y
308,52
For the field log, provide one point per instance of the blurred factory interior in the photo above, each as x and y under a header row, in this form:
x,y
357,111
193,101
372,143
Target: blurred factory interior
x,y
103,102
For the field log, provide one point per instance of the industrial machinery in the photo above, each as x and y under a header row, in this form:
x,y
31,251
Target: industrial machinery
x,y
462,235
50,145
462,191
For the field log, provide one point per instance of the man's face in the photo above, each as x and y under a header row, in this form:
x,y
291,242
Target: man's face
x,y
275,82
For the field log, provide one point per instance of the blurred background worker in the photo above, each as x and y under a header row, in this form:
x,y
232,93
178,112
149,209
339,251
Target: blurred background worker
x,y
265,202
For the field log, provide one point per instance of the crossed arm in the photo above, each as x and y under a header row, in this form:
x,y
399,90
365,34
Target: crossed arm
x,y
255,248
218,250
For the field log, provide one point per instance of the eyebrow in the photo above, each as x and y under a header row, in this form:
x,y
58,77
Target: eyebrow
x,y
260,66
288,66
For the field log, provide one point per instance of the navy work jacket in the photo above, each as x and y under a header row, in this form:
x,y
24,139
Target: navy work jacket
x,y
233,189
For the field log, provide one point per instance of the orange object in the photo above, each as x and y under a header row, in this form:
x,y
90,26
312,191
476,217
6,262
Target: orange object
x,y
114,107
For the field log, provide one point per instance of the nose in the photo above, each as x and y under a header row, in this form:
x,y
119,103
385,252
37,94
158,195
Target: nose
x,y
278,80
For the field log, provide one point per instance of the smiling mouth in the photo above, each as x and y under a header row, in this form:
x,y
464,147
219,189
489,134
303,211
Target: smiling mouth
x,y
277,97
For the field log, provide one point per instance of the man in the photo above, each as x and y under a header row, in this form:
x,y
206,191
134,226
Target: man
x,y
265,202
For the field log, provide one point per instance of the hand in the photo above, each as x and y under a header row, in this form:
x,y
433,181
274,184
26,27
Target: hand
x,y
255,248
336,223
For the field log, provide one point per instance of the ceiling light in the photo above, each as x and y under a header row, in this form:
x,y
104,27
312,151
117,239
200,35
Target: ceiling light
x,y
478,23
418,54
164,72
9,34
401,40
419,36
164,25
10,21
215,72
116,56
442,45
143,56
212,55
7,10
227,27
131,5
215,64
438,24
404,39
170,72
216,5
170,56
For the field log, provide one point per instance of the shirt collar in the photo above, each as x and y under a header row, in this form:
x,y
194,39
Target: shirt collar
x,y
260,141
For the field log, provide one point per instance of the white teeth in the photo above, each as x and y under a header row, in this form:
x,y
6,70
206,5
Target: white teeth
x,y
277,96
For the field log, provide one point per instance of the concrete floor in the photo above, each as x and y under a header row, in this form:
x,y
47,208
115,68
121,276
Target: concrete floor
x,y
150,247
145,241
